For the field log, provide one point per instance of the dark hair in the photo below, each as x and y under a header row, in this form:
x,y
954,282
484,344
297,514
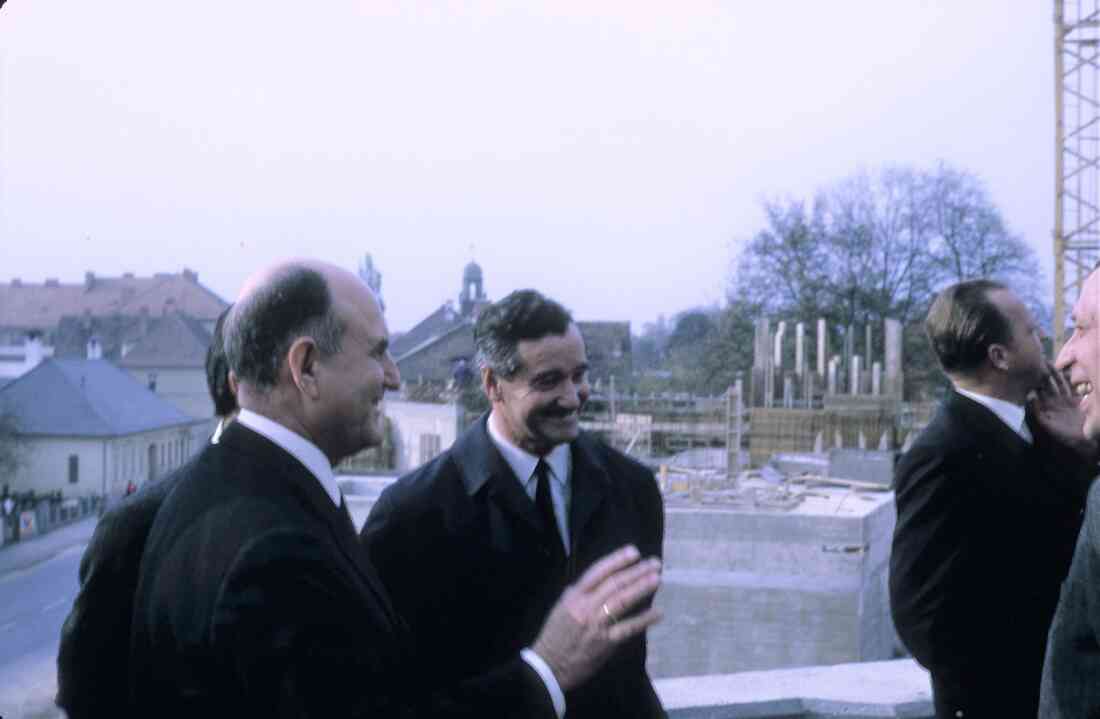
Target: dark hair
x,y
963,322
217,371
261,328
522,315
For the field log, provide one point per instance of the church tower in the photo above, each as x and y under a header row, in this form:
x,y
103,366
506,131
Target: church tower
x,y
472,296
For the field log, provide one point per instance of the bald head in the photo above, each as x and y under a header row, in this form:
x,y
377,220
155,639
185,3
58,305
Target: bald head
x,y
308,345
285,301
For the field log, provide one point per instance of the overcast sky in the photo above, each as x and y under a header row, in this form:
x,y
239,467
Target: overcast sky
x,y
611,154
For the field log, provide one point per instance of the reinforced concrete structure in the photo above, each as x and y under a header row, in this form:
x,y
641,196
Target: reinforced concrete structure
x,y
774,576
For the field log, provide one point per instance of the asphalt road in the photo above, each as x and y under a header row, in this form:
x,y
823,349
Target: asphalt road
x,y
34,602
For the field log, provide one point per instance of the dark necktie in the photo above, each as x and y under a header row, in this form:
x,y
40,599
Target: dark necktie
x,y
544,502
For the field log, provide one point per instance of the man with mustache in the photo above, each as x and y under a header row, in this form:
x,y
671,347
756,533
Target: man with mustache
x,y
475,545
1071,673
989,504
254,596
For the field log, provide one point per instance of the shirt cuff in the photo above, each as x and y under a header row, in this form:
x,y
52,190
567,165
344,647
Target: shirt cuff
x,y
547,675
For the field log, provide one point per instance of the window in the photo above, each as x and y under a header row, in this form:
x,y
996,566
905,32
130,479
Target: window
x,y
74,469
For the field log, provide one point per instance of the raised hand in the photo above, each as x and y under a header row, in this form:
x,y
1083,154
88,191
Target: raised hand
x,y
1056,408
589,622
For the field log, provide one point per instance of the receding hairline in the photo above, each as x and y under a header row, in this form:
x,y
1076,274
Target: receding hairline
x,y
335,277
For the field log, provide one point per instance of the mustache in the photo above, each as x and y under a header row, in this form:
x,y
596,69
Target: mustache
x,y
558,412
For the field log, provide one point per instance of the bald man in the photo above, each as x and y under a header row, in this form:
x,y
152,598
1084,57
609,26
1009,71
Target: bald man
x,y
255,598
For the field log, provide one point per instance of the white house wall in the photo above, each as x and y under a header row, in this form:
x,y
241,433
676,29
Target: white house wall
x,y
413,420
105,465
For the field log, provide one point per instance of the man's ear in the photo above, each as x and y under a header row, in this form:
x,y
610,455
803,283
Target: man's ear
x,y
490,384
998,356
301,361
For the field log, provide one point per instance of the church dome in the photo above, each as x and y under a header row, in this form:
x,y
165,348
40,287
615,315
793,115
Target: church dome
x,y
472,273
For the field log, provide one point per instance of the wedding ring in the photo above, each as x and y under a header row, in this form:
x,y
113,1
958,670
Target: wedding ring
x,y
607,613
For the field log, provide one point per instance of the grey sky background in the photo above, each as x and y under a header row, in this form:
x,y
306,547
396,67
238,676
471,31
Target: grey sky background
x,y
611,154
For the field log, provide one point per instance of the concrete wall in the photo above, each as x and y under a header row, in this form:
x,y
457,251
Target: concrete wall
x,y
898,688
746,590
184,388
104,465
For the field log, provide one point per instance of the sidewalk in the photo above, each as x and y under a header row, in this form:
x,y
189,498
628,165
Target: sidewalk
x,y
27,553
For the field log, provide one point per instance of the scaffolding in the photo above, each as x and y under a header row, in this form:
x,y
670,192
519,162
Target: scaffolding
x,y
1077,151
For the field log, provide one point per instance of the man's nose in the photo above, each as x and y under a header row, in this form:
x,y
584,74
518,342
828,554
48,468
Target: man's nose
x,y
571,395
1065,355
391,377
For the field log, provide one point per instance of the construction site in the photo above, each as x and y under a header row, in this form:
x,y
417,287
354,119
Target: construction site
x,y
779,513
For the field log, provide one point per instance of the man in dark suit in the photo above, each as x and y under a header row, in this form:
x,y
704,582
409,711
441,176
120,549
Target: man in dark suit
x,y
989,504
93,657
255,598
1071,673
475,545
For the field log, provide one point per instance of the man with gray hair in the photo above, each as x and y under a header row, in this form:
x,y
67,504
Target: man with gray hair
x,y
255,599
519,507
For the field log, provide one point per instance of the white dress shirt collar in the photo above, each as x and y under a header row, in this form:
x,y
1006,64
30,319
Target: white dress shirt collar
x,y
299,447
523,463
1011,414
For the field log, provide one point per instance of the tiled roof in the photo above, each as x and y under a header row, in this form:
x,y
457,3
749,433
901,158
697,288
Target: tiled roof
x,y
434,325
70,339
85,398
434,340
175,341
42,305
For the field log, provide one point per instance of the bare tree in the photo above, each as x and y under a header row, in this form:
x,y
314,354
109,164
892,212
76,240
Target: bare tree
x,y
877,246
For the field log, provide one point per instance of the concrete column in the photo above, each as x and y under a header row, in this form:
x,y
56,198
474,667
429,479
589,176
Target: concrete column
x,y
876,379
893,342
867,341
799,350
769,386
761,360
822,347
853,387
788,391
777,360
832,376
761,343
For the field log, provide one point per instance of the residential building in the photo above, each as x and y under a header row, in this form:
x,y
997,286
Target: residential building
x,y
88,427
101,317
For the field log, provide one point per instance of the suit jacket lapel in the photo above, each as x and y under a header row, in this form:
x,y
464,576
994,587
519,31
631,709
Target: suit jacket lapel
x,y
588,484
482,468
314,500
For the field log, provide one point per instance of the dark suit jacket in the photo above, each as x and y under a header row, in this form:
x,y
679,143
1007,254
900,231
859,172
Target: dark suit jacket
x,y
255,599
1071,673
985,532
462,551
93,659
